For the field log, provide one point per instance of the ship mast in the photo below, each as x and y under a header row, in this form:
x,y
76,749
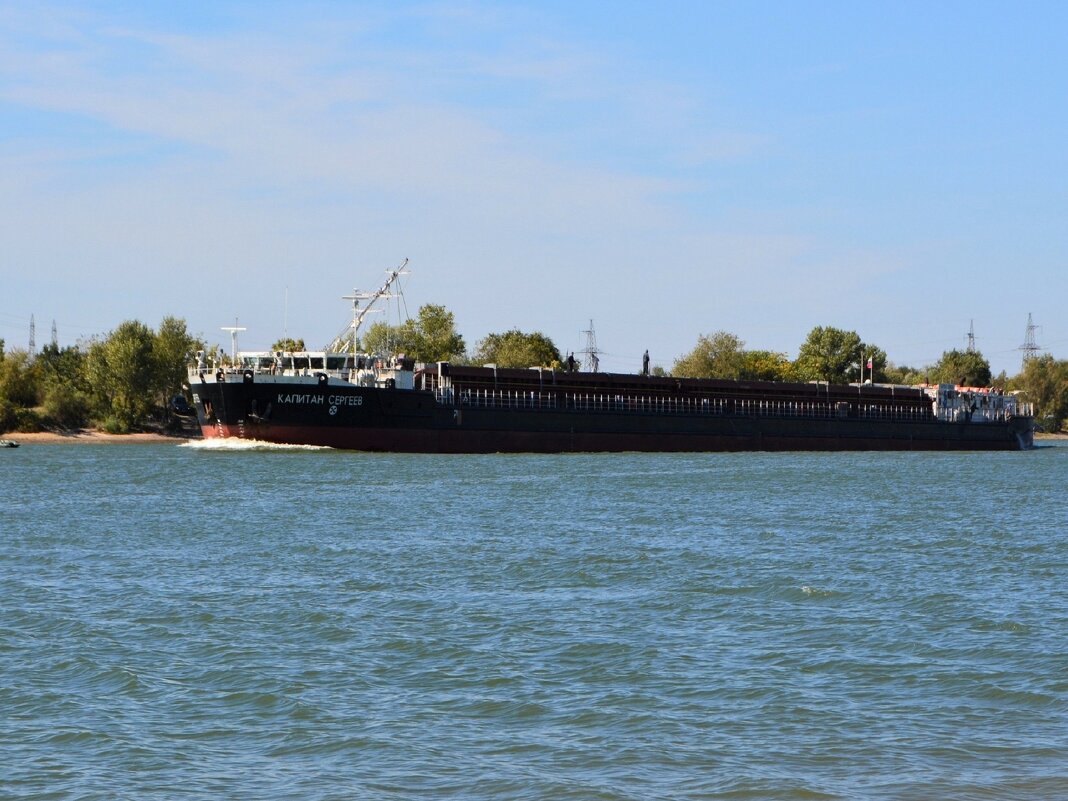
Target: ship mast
x,y
233,329
349,335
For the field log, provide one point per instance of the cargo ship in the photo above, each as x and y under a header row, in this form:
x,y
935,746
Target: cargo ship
x,y
350,400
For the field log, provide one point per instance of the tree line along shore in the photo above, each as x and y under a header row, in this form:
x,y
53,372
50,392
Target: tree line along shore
x,y
125,381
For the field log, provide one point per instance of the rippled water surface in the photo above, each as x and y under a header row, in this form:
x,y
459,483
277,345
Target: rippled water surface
x,y
197,623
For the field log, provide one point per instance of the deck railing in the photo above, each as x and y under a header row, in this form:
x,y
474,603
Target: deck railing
x,y
652,404
961,415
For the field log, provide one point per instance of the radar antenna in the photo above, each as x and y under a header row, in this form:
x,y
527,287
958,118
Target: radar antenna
x,y
233,329
349,335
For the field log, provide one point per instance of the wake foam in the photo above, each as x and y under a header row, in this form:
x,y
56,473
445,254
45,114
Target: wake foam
x,y
235,444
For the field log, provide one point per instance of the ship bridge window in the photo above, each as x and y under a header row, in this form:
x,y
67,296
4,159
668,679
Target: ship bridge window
x,y
256,361
316,362
338,362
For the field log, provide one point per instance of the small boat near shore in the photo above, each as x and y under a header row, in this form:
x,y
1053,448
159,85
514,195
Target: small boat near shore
x,y
8,443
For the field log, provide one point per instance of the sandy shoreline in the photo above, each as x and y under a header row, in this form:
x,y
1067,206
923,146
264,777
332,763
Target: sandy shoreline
x,y
91,437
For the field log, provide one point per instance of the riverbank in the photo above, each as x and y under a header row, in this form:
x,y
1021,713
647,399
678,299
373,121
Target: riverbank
x,y
91,436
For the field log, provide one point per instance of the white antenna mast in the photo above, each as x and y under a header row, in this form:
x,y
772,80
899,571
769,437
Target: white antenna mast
x,y
233,329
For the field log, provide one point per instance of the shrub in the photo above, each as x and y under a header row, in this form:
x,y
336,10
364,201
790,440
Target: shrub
x,y
65,407
7,416
27,421
1051,424
115,425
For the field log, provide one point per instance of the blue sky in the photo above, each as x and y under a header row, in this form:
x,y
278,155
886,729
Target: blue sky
x,y
665,170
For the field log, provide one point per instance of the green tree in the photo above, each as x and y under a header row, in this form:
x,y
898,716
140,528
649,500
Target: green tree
x,y
830,354
172,350
879,363
966,368
1044,382
8,418
904,374
718,355
723,355
65,394
18,379
122,376
383,339
434,336
65,406
430,337
56,365
766,365
289,345
18,392
517,349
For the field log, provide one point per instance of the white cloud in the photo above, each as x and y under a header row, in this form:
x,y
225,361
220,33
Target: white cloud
x,y
535,180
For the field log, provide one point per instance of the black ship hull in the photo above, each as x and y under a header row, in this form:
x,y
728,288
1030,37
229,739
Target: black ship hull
x,y
324,412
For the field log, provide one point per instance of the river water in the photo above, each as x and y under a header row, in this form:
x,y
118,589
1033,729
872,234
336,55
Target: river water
x,y
203,622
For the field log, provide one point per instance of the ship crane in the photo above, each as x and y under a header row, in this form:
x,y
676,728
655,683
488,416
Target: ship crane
x,y
348,335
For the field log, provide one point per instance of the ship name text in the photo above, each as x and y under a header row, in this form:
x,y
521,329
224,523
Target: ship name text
x,y
316,399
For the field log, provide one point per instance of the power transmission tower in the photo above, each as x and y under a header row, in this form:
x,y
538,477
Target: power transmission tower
x,y
591,362
1030,348
971,337
33,338
55,336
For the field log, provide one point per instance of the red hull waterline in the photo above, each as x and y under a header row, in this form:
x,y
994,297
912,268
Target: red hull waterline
x,y
457,441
